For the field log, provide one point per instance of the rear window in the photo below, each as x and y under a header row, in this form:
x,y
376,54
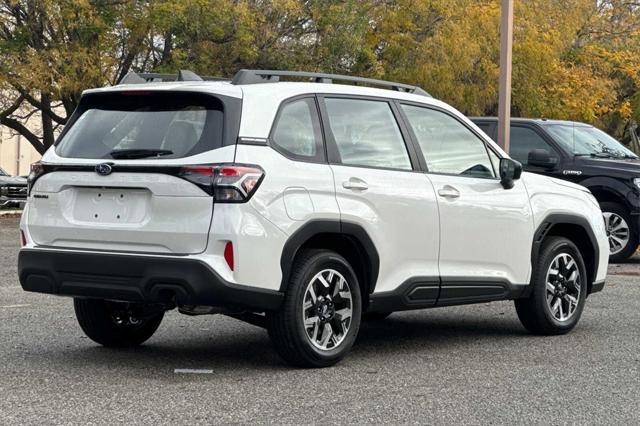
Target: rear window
x,y
151,125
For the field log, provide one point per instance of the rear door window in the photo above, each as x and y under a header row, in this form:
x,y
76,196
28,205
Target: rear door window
x,y
144,125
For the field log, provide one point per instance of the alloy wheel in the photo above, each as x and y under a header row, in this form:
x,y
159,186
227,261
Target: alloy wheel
x,y
563,285
618,232
327,309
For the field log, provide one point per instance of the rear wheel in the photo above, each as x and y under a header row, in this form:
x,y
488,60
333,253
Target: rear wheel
x,y
623,236
320,317
559,293
117,324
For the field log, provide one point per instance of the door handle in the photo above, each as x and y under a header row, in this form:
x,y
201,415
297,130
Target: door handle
x,y
355,184
448,191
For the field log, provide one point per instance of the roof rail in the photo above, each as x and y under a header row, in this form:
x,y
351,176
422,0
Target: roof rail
x,y
183,75
271,76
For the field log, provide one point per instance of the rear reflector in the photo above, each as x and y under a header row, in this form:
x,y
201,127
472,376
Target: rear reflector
x,y
228,254
23,239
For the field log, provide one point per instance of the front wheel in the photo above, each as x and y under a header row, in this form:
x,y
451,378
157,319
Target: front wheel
x,y
559,293
623,237
320,317
117,324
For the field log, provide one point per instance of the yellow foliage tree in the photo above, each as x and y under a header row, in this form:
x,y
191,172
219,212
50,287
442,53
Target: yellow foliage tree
x,y
573,59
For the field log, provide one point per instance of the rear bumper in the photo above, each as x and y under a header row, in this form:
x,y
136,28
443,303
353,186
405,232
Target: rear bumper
x,y
132,278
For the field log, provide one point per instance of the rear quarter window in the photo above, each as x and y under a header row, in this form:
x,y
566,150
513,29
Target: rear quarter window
x,y
178,124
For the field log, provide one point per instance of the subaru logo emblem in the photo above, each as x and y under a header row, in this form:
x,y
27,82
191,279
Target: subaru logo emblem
x,y
104,169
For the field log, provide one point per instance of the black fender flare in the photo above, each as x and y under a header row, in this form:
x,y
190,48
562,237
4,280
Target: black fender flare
x,y
553,219
611,186
316,227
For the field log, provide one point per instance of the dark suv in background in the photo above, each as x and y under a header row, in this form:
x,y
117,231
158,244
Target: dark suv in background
x,y
13,190
583,154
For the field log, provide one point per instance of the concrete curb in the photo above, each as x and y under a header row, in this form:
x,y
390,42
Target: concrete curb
x,y
10,213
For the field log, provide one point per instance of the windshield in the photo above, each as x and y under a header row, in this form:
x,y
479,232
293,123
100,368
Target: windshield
x,y
144,125
3,173
587,140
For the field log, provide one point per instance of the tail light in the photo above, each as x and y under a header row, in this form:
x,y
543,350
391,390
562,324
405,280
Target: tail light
x,y
227,183
37,170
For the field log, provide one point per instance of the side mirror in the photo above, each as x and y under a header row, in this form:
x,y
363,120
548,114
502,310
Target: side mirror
x,y
542,158
510,170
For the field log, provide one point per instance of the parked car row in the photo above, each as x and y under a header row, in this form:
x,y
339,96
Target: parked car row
x,y
13,190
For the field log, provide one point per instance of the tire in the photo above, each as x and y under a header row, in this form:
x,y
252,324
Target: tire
x,y
110,323
617,215
301,345
537,313
375,316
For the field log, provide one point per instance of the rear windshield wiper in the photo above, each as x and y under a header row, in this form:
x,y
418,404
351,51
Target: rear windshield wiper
x,y
138,153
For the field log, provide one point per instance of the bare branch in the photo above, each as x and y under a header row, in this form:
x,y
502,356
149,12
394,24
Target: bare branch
x,y
12,108
46,109
23,131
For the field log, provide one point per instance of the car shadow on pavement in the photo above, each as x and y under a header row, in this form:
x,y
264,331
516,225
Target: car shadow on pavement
x,y
635,260
628,267
437,333
251,349
245,352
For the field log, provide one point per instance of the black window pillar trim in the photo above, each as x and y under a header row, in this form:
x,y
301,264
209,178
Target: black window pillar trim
x,y
411,137
411,142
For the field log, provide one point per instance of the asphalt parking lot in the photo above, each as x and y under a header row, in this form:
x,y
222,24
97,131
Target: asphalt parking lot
x,y
472,364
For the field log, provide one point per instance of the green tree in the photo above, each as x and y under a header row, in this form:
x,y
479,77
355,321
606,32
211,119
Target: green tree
x,y
52,50
573,59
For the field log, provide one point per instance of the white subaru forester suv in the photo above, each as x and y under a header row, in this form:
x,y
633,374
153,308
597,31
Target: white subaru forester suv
x,y
303,207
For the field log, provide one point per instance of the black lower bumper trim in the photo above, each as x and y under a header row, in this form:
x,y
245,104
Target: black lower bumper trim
x,y
134,278
597,286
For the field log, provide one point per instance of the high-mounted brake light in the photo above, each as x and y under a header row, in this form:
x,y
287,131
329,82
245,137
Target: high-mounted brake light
x,y
37,169
228,183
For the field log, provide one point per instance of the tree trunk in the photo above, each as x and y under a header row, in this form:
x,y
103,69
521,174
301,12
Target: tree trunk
x,y
48,136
